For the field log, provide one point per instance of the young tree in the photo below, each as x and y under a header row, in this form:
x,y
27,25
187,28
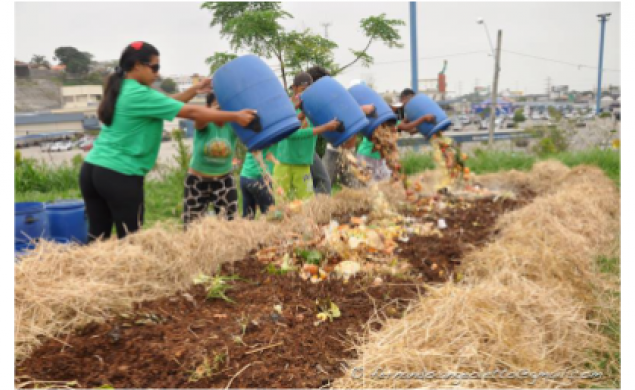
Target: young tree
x,y
255,27
217,60
39,60
307,49
376,28
76,62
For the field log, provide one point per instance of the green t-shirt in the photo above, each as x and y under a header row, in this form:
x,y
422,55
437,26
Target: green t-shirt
x,y
252,169
130,145
214,150
299,147
366,149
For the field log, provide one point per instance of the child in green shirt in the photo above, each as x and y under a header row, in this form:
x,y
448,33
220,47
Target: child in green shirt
x,y
210,178
295,153
372,161
256,191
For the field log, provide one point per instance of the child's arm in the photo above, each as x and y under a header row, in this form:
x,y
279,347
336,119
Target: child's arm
x,y
411,127
272,158
330,126
368,108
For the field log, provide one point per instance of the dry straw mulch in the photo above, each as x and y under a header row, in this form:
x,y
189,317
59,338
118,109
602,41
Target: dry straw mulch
x,y
59,288
533,299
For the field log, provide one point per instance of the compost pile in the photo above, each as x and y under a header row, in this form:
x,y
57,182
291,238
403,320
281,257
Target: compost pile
x,y
385,140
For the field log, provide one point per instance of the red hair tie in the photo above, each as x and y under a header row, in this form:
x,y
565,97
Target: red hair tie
x,y
136,45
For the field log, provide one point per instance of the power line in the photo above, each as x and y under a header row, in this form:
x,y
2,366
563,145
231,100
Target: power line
x,y
425,58
579,66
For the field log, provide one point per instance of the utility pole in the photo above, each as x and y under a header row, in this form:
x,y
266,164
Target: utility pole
x,y
603,19
413,47
326,26
492,120
548,87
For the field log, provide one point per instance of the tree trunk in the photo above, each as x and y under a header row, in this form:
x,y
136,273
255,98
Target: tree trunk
x,y
282,73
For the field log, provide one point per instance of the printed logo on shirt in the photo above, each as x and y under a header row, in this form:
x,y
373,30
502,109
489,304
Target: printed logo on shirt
x,y
217,148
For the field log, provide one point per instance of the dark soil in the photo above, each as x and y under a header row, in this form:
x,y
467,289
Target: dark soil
x,y
188,341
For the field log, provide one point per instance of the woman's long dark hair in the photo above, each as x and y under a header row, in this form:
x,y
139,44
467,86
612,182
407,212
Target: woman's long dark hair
x,y
133,53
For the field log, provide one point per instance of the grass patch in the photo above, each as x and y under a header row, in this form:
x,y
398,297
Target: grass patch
x,y
495,161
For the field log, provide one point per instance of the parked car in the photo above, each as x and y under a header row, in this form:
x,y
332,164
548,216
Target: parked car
x,y
589,116
536,116
465,120
61,146
456,125
87,146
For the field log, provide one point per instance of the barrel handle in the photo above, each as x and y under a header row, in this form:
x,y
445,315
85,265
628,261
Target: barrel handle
x,y
255,124
30,220
340,128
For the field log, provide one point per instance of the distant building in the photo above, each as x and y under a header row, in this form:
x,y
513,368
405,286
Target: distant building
x,y
184,83
22,69
43,123
58,68
81,96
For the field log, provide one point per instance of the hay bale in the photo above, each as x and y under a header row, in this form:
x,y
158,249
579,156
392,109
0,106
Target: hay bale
x,y
531,300
59,288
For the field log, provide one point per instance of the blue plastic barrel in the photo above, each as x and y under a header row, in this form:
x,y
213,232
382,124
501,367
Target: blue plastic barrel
x,y
421,105
247,82
67,221
383,113
325,100
21,249
30,221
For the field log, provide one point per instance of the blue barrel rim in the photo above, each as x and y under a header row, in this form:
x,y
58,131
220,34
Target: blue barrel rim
x,y
62,204
23,207
283,133
441,126
363,94
370,129
342,138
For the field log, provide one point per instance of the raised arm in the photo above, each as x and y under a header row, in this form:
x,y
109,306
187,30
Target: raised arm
x,y
203,115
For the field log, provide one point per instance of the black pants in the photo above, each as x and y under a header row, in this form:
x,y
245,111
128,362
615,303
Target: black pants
x,y
256,193
111,198
201,191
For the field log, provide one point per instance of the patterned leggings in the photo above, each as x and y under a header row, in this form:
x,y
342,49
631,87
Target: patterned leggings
x,y
201,191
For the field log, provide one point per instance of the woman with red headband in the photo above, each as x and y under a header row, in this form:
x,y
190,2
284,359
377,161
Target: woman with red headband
x,y
132,113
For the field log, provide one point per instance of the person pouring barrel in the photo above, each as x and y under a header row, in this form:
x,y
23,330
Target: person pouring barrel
x,y
111,179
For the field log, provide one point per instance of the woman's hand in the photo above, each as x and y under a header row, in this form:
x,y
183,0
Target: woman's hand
x,y
245,117
205,86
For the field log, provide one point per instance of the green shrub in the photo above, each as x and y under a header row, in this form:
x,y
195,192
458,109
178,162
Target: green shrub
x,y
519,116
605,115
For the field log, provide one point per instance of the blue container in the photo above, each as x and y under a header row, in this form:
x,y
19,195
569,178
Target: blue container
x,y
67,221
21,249
30,221
383,113
247,82
326,100
421,105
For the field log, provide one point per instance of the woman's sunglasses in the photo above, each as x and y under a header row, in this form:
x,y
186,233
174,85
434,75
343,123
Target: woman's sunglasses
x,y
155,68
